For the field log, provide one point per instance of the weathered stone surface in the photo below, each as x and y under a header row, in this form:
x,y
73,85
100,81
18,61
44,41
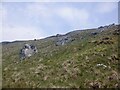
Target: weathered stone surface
x,y
64,40
27,51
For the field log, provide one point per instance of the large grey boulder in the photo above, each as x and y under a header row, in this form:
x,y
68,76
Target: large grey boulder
x,y
27,51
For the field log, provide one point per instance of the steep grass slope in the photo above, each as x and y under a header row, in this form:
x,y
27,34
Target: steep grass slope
x,y
89,61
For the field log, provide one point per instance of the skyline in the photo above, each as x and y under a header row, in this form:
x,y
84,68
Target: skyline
x,y
36,20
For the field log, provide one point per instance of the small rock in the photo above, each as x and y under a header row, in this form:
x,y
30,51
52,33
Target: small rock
x,y
87,57
101,65
6,69
106,38
94,85
45,78
102,55
94,33
40,59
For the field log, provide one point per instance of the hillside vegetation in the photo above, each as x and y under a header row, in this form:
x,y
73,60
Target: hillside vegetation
x,y
88,60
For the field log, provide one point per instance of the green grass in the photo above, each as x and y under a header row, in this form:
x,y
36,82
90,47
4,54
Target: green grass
x,y
68,66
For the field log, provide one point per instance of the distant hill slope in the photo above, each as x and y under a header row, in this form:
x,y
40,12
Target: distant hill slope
x,y
79,59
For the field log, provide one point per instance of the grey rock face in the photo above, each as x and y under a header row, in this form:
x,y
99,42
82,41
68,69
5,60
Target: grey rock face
x,y
63,40
27,51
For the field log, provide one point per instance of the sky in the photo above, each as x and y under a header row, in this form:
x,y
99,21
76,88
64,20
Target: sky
x,y
36,20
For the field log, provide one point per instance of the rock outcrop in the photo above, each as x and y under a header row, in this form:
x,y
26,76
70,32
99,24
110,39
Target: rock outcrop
x,y
64,40
27,51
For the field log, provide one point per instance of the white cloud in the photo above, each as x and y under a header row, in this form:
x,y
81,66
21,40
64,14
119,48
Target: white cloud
x,y
21,33
38,10
41,12
54,18
18,32
59,0
3,16
3,12
106,7
74,16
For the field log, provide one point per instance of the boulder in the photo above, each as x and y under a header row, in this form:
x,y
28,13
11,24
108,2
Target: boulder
x,y
63,40
27,51
58,35
94,33
35,39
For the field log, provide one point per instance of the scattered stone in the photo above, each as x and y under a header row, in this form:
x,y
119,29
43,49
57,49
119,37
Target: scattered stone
x,y
114,76
102,28
117,85
113,57
101,65
94,85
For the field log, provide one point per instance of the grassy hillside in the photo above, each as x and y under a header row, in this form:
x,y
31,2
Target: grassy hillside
x,y
88,61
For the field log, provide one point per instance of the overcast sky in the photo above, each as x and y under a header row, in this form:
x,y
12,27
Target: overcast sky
x,y
35,20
